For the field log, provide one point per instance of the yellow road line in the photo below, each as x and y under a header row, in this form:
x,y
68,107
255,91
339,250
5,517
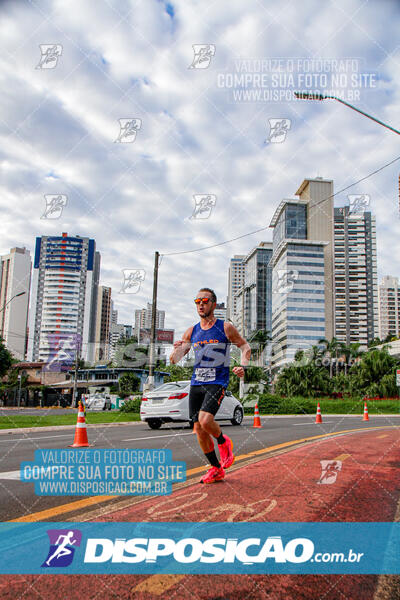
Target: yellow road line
x,y
158,584
49,513
342,457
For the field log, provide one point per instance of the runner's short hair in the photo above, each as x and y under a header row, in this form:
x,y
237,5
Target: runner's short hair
x,y
213,296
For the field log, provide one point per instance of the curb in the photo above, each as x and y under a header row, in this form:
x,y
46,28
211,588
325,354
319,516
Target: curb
x,y
58,427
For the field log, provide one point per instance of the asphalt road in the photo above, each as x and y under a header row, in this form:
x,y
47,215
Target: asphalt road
x,y
17,499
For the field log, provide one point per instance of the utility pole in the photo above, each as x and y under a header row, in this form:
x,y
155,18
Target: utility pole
x,y
19,390
77,352
150,381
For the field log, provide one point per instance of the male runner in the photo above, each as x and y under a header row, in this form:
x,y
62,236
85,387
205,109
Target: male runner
x,y
211,339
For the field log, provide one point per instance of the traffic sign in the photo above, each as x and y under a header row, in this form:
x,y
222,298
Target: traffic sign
x,y
398,377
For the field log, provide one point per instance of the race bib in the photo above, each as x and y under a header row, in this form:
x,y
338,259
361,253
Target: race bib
x,y
205,374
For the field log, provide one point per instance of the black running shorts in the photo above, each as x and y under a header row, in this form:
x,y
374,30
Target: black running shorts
x,y
207,397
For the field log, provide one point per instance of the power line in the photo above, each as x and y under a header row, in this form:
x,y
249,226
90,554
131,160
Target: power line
x,y
267,227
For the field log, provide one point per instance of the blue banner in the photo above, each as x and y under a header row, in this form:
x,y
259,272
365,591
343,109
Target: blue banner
x,y
115,472
198,548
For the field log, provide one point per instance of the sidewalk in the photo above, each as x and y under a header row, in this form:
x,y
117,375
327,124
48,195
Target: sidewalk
x,y
283,487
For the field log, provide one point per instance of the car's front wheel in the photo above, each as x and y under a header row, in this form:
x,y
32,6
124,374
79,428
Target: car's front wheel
x,y
154,423
237,416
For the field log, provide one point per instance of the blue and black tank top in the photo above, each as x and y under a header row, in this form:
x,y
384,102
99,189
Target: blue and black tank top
x,y
211,355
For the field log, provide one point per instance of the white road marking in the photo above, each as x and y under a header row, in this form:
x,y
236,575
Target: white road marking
x,y
16,474
10,475
157,437
310,423
37,439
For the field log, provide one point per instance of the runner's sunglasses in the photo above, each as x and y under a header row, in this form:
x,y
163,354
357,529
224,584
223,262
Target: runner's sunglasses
x,y
204,300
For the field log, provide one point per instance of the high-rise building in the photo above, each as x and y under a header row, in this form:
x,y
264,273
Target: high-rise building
x,y
103,322
15,277
254,297
389,307
117,332
318,193
235,282
303,270
64,298
356,286
143,319
220,311
128,331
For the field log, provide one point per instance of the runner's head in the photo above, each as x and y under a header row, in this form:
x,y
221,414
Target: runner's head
x,y
206,309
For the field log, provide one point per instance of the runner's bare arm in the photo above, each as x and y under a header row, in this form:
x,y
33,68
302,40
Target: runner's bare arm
x,y
181,347
234,336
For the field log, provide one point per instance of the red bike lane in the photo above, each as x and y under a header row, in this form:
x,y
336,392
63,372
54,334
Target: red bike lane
x,y
358,480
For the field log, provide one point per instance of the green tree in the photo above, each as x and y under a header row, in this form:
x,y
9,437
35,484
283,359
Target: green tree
x,y
331,347
305,380
375,342
369,373
6,358
128,383
261,337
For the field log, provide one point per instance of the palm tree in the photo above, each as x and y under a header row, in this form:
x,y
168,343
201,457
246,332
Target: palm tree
x,y
262,337
375,342
376,365
331,347
354,351
314,353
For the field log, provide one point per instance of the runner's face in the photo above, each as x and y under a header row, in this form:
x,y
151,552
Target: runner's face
x,y
204,310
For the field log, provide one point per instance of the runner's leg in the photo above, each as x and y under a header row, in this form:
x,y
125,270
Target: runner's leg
x,y
209,408
196,400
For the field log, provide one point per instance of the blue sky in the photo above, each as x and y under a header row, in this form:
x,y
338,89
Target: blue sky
x,y
130,59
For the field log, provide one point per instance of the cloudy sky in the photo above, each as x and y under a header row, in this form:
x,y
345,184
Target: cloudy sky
x,y
132,190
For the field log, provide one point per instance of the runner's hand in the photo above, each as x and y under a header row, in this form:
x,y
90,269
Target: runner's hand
x,y
239,371
178,343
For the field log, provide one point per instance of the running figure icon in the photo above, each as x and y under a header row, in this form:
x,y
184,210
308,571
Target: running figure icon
x,y
62,549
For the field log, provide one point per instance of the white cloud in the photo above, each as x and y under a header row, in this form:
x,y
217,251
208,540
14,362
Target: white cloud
x,y
126,60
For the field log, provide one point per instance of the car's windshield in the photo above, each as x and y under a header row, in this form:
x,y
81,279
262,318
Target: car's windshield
x,y
172,385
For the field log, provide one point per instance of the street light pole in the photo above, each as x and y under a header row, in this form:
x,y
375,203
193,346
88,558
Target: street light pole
x,y
15,296
19,390
77,353
150,381
311,96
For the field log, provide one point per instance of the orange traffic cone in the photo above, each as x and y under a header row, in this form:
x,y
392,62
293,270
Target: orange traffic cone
x,y
318,418
81,439
257,421
365,417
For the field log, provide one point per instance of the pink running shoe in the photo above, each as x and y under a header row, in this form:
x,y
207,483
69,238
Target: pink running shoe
x,y
226,452
212,475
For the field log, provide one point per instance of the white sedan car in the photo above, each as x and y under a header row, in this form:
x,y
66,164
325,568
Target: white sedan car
x,y
170,403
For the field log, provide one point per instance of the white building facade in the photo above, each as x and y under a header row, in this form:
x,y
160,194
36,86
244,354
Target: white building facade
x,y
63,307
15,278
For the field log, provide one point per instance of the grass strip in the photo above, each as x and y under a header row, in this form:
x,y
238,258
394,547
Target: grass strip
x,y
48,420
